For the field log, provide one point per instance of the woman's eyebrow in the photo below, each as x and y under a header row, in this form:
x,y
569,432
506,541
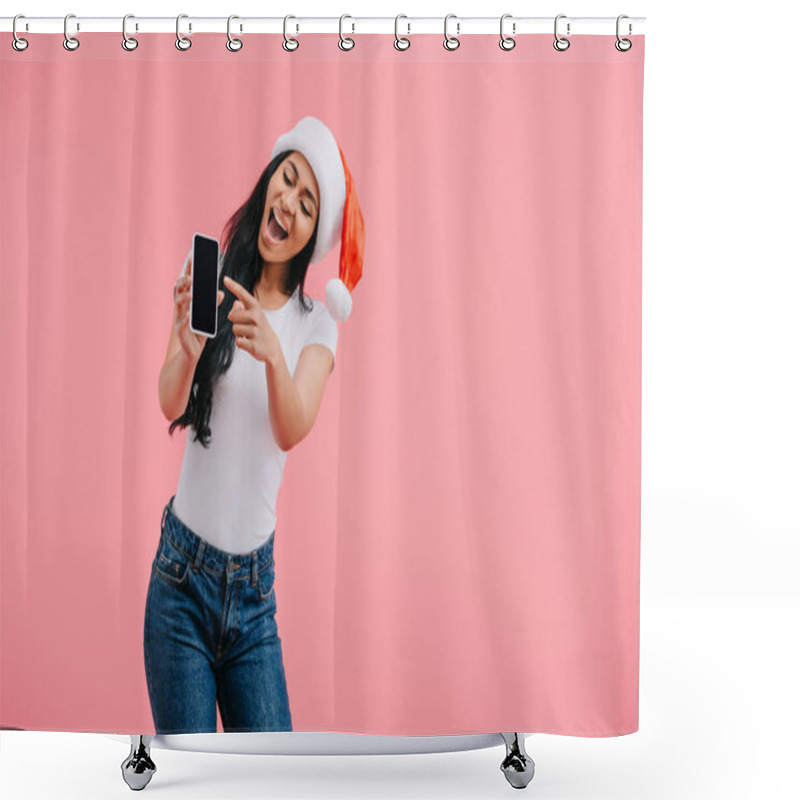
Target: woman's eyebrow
x,y
297,175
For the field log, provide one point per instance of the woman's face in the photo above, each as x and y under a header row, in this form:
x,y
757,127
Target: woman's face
x,y
291,210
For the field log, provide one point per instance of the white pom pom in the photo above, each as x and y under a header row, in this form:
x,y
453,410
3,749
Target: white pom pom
x,y
338,300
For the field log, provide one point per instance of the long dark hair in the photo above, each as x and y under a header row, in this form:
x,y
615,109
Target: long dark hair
x,y
242,262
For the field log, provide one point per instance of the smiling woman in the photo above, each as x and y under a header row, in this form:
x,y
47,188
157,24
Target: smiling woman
x,y
249,394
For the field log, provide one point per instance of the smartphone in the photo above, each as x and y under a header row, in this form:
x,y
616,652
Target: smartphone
x,y
205,285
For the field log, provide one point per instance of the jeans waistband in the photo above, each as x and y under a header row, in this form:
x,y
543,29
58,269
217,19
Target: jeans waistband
x,y
205,554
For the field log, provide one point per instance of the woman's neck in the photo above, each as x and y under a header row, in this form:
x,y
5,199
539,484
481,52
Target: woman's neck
x,y
269,288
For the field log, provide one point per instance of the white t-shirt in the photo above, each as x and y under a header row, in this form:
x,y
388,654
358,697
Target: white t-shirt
x,y
227,493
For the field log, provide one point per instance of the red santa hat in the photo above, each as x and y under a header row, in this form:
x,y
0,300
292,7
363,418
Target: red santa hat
x,y
340,219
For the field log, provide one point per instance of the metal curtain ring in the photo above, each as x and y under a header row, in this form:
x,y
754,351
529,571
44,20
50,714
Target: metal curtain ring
x,y
560,42
623,45
345,42
451,42
18,43
70,42
181,41
289,43
401,42
506,42
233,44
128,42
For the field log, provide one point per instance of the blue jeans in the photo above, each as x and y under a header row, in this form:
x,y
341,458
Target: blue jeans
x,y
210,636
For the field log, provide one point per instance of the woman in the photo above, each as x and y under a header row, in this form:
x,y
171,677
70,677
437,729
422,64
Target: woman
x,y
250,394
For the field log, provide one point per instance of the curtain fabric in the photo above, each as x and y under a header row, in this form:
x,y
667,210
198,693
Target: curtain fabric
x,y
458,536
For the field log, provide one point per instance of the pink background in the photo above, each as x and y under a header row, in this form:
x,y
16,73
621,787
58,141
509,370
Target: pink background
x,y
457,546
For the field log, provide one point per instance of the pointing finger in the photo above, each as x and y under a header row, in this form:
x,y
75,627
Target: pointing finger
x,y
247,299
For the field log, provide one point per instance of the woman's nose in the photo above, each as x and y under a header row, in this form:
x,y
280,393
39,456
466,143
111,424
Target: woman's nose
x,y
288,203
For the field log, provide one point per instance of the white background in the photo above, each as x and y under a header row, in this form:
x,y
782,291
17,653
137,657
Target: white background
x,y
719,698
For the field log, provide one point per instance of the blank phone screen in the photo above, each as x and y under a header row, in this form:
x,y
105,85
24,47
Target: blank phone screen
x,y
204,285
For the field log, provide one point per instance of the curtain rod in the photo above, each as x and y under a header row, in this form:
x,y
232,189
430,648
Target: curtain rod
x,y
349,24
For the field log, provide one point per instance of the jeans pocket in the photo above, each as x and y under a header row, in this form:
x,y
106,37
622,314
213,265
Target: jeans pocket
x,y
171,563
266,581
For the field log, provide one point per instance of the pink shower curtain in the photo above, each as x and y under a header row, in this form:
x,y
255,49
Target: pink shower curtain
x,y
457,538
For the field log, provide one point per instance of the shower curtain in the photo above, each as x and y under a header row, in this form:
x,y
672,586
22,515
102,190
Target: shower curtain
x,y
455,547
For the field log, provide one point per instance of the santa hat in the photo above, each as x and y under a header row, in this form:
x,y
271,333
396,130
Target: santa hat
x,y
340,219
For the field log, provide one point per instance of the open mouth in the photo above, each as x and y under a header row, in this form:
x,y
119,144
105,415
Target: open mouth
x,y
275,230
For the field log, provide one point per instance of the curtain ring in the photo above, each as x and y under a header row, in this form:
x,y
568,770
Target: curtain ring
x,y
560,42
70,42
182,42
345,42
233,44
128,42
506,42
401,42
623,45
289,43
18,43
451,42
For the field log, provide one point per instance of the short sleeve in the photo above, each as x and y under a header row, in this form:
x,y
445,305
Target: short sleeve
x,y
324,331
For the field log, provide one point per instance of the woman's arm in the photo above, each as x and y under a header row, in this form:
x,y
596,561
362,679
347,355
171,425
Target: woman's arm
x,y
294,403
177,371
183,350
175,382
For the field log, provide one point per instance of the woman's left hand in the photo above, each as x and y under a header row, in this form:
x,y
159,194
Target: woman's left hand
x,y
250,325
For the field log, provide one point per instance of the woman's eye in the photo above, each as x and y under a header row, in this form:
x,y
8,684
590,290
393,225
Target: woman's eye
x,y
289,183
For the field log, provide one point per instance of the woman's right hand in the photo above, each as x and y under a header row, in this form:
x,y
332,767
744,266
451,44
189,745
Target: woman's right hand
x,y
191,342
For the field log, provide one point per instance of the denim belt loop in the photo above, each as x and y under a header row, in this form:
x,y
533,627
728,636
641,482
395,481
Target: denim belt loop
x,y
254,568
163,517
198,556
